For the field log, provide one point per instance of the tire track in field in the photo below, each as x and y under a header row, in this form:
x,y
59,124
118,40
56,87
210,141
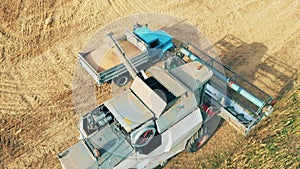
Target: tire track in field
x,y
19,93
21,128
115,7
128,7
12,99
10,10
18,97
141,7
34,40
56,33
11,36
45,124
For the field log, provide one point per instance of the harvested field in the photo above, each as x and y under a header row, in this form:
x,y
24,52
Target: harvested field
x,y
39,41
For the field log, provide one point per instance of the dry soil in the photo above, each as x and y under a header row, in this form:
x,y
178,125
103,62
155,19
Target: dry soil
x,y
39,41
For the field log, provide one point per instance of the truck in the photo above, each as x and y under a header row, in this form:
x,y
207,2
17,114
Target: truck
x,y
169,107
143,47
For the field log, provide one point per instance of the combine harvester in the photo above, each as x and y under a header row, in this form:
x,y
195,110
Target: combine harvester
x,y
175,101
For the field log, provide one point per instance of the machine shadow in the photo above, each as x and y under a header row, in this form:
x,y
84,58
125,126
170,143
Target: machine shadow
x,y
191,35
251,61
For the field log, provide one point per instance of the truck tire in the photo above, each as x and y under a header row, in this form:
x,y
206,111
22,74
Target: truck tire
x,y
122,79
166,55
200,138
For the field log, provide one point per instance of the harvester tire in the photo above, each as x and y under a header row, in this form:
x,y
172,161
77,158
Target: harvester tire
x,y
200,138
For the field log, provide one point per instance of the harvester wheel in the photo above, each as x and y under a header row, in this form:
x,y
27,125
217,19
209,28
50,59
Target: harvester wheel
x,y
200,138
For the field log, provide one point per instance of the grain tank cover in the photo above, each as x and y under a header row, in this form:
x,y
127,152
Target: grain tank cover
x,y
148,96
167,81
129,111
193,74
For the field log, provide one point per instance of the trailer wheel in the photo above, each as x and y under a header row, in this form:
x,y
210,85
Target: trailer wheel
x,y
200,138
122,79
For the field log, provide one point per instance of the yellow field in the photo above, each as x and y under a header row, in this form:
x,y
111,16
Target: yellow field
x,y
39,42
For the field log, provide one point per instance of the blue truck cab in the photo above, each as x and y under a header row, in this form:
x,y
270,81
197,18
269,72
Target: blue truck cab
x,y
157,40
